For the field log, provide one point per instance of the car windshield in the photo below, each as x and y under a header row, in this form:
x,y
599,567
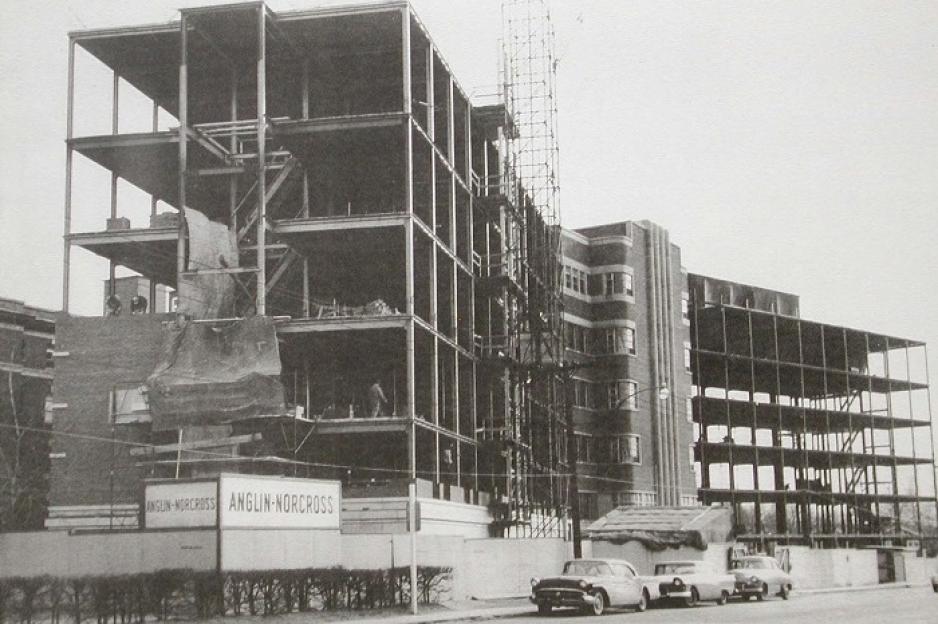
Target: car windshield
x,y
586,568
675,568
750,564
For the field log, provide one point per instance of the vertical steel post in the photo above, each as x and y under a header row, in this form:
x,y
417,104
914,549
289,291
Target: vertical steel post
x,y
233,148
918,510
304,103
115,99
183,137
67,220
931,432
261,296
155,125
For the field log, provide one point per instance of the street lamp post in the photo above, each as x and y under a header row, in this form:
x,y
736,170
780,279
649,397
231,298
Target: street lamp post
x,y
663,393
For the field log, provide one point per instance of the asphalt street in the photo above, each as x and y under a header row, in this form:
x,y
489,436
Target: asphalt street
x,y
895,606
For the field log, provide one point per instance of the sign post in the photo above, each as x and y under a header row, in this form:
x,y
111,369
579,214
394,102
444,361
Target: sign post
x,y
412,527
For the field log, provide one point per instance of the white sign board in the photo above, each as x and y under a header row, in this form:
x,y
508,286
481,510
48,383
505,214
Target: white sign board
x,y
183,504
249,502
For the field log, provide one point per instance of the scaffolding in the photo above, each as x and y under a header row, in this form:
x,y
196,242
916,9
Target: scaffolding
x,y
519,298
815,434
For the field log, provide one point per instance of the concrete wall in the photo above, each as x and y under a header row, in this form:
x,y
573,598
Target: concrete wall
x,y
817,568
919,570
644,559
496,568
280,549
57,553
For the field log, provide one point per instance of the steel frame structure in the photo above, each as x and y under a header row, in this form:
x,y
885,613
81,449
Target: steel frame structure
x,y
809,430
266,132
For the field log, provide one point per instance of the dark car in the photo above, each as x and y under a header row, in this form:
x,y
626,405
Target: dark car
x,y
591,585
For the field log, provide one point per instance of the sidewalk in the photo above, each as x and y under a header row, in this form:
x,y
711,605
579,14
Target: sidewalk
x,y
464,611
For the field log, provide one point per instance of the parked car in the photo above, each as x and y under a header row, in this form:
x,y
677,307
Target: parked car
x,y
760,576
689,582
592,585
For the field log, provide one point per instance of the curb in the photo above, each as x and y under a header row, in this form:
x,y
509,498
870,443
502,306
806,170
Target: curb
x,y
856,588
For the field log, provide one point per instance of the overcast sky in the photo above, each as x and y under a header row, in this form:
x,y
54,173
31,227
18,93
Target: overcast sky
x,y
792,145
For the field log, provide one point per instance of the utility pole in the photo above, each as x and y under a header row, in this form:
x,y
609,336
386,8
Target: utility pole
x,y
573,490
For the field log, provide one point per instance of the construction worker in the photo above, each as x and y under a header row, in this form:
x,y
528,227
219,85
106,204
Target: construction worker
x,y
376,399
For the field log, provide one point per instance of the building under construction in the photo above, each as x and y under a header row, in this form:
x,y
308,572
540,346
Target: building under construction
x,y
815,434
366,268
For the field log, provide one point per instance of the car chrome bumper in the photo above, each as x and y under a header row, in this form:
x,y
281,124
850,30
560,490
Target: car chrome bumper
x,y
684,593
562,599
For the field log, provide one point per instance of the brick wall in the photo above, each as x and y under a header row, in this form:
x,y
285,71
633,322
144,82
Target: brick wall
x,y
102,352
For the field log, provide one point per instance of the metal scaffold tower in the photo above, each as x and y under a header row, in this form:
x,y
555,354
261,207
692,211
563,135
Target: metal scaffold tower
x,y
536,432
529,77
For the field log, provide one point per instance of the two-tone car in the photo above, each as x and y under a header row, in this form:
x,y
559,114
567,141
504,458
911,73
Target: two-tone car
x,y
760,576
689,582
591,585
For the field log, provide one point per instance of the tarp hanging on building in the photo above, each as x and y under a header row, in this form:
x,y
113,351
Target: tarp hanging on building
x,y
203,292
658,528
209,375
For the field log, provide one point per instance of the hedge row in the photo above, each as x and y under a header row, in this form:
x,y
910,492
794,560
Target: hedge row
x,y
187,594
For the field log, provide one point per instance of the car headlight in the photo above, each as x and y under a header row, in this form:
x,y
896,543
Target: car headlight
x,y
535,581
583,584
677,582
753,579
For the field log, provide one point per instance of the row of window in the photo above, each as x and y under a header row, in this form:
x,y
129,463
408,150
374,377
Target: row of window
x,y
600,341
618,449
605,395
608,283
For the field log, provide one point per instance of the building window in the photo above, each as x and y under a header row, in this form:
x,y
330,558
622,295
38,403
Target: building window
x,y
581,394
584,443
576,338
616,340
574,279
622,390
626,449
128,404
617,283
685,309
689,407
687,359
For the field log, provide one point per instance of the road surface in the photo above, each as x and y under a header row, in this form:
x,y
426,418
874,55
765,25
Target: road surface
x,y
876,606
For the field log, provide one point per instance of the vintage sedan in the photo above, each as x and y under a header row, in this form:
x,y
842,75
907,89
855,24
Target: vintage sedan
x,y
591,585
689,582
760,576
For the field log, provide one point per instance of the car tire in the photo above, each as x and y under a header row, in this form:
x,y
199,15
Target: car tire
x,y
599,606
724,596
691,601
544,609
786,592
764,593
643,602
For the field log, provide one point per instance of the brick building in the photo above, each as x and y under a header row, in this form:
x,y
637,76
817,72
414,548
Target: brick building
x,y
627,331
26,340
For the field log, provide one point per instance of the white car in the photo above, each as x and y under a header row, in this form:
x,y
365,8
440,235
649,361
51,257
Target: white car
x,y
692,581
591,585
760,576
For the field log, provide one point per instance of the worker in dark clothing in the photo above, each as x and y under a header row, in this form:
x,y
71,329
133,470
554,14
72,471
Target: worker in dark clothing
x,y
376,399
